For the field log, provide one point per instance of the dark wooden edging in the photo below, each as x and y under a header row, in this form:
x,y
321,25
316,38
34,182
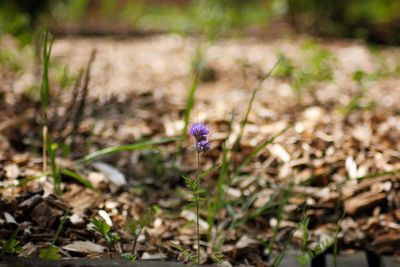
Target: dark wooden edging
x,y
33,262
358,259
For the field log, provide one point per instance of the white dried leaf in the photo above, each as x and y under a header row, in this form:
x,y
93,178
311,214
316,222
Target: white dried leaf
x,y
9,218
114,175
246,241
148,256
12,171
363,133
351,168
103,214
278,151
85,247
191,216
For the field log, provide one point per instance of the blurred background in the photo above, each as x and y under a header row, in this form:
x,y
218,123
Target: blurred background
x,y
322,132
377,21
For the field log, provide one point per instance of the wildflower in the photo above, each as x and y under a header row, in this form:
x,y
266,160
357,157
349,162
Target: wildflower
x,y
203,146
199,131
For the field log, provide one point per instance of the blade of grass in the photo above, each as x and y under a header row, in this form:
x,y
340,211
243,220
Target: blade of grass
x,y
196,68
253,95
140,145
55,172
260,147
44,87
77,177
80,110
58,231
190,104
209,170
216,206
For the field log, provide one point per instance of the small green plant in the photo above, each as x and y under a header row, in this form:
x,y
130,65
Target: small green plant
x,y
308,254
336,238
102,228
9,60
198,197
318,67
45,87
200,133
52,152
357,101
52,252
286,68
135,227
190,256
12,245
49,149
283,195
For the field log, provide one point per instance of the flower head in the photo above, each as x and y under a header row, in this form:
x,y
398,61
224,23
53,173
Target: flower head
x,y
203,146
199,131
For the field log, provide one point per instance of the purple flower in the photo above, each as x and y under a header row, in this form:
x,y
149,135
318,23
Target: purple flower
x,y
199,131
203,146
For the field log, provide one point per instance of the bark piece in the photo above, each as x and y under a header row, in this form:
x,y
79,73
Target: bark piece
x,y
29,203
363,201
45,214
85,247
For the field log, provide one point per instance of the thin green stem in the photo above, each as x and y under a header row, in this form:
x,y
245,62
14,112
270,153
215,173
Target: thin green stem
x,y
197,207
135,242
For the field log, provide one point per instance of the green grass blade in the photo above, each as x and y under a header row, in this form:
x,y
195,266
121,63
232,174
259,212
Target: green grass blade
x,y
209,170
249,107
260,147
78,178
58,231
222,180
44,87
55,172
215,207
141,145
190,104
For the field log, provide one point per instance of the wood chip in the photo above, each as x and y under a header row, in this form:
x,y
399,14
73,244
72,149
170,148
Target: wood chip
x,y
363,201
85,247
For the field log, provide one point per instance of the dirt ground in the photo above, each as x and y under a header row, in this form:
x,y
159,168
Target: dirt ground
x,y
339,152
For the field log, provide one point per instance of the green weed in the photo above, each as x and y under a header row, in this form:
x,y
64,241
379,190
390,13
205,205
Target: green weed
x,y
103,229
308,254
52,252
135,227
12,245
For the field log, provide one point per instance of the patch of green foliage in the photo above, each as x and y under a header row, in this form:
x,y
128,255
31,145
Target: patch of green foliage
x,y
308,254
136,226
52,252
103,229
12,245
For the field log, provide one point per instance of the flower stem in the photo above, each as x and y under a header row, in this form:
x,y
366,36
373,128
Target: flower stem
x,y
197,207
